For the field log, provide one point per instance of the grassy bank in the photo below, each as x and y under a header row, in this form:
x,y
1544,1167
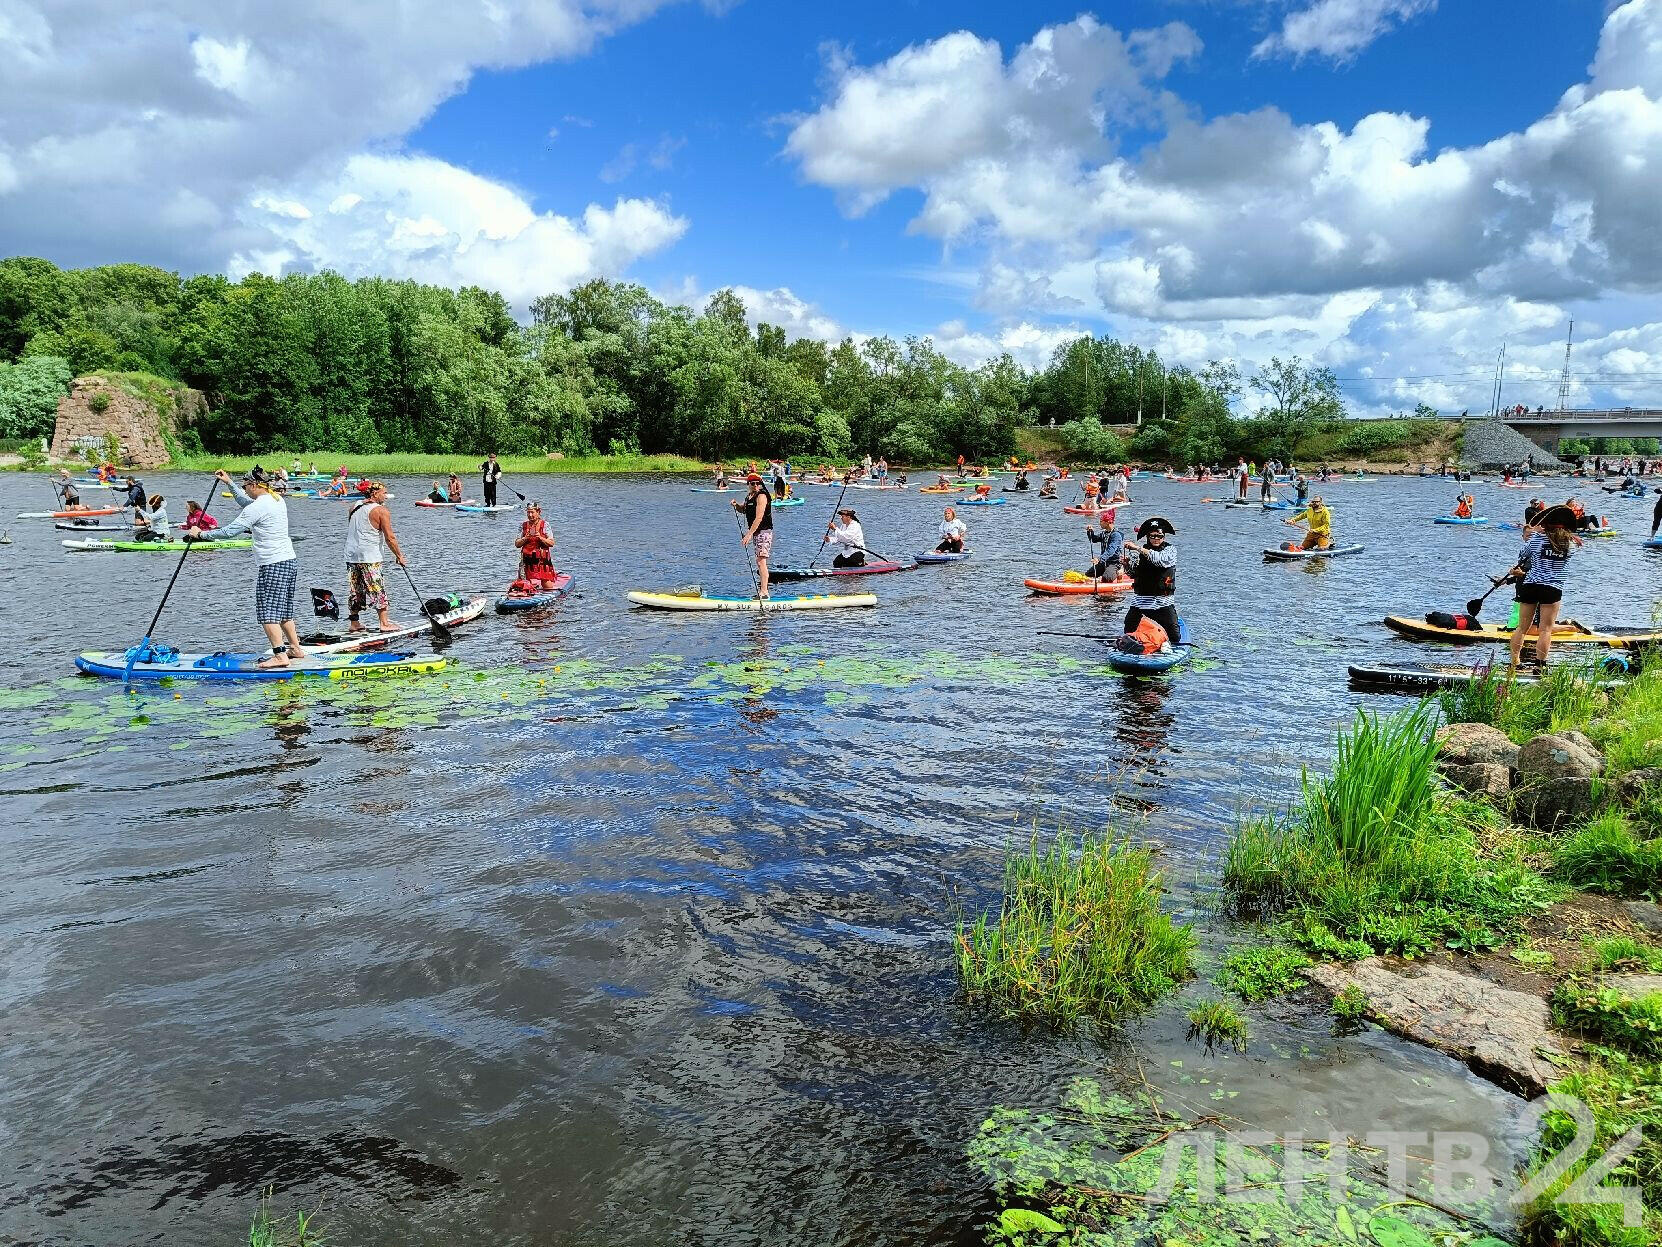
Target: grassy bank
x,y
1379,857
465,466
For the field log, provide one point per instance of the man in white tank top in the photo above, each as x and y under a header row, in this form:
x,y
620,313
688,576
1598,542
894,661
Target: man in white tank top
x,y
368,534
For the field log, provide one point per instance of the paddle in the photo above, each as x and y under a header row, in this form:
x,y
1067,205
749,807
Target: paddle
x,y
1476,604
439,630
750,564
146,645
835,511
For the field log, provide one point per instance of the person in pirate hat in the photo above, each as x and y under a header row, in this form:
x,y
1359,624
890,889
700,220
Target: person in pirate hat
x,y
1151,561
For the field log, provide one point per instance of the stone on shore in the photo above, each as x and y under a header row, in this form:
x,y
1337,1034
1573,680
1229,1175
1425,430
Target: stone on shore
x,y
1631,787
1474,744
1556,777
1481,779
1648,914
1500,1034
1634,986
1558,755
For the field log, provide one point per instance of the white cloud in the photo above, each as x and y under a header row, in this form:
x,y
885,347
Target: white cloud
x,y
1339,29
428,220
251,106
659,156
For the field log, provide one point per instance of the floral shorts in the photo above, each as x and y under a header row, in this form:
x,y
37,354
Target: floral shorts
x,y
763,543
366,591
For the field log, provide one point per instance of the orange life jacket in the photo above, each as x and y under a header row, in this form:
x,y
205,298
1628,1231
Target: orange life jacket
x,y
1150,635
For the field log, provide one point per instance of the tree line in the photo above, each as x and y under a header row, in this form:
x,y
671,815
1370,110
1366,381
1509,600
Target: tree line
x,y
313,362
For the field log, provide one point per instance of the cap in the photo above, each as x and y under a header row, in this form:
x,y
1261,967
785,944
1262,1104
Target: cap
x,y
752,476
1156,523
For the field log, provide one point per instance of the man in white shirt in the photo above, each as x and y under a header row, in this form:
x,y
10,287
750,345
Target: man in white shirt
x,y
264,518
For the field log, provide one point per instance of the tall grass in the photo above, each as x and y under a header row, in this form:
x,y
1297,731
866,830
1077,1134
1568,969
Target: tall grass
x,y
1630,731
1605,855
1080,934
263,1231
1376,853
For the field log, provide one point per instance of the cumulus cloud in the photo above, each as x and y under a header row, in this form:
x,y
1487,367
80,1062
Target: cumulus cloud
x,y
1339,29
176,137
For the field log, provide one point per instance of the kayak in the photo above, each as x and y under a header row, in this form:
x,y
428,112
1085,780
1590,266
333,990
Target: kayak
x,y
1086,588
1284,555
377,640
134,547
89,513
1153,664
169,664
1564,632
982,502
1428,677
1461,519
471,509
938,556
531,601
428,502
865,569
698,601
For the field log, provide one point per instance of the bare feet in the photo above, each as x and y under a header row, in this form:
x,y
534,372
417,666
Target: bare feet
x,y
274,660
391,625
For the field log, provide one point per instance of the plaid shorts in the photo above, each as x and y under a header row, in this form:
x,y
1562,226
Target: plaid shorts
x,y
366,588
763,543
274,592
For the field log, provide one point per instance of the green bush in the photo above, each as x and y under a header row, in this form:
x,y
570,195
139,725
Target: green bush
x,y
1611,1015
29,394
1350,1007
1080,934
99,403
1090,441
1259,972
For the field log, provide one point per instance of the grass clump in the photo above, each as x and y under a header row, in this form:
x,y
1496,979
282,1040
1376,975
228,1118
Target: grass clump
x,y
1263,971
1610,1014
1623,952
1217,1022
1630,731
1474,701
264,1231
1377,854
1080,934
1606,855
1350,1007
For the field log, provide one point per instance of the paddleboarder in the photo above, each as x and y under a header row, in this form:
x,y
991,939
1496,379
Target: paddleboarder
x,y
849,537
1153,568
536,548
150,521
368,536
264,518
1541,563
954,532
1319,520
1106,565
757,509
455,490
490,472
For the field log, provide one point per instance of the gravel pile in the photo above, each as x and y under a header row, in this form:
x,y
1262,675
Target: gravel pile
x,y
1491,444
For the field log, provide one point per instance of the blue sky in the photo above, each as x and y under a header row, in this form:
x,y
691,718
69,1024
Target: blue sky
x,y
1389,187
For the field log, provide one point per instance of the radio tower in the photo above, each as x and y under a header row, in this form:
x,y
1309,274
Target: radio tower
x,y
1564,381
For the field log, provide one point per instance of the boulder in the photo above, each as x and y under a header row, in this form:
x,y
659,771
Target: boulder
x,y
1633,986
1501,1034
1482,779
1553,804
1648,914
1631,787
1473,744
1560,755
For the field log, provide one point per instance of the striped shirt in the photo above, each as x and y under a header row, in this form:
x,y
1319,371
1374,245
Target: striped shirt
x,y
1545,566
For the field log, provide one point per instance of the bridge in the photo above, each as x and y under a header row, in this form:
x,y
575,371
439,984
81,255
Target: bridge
x,y
1547,428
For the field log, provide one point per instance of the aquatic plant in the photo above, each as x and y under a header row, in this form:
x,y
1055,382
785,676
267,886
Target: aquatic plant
x,y
1605,855
1262,971
1350,1007
1080,933
263,1231
1218,1024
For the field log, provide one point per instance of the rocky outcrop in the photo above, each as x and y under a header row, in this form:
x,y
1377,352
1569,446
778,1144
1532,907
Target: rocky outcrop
x,y
1500,1034
97,406
1557,780
1647,914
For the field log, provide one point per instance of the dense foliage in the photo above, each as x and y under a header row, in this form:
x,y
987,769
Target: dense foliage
x,y
29,393
315,362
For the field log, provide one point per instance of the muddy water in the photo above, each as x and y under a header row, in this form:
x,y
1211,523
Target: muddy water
x,y
634,928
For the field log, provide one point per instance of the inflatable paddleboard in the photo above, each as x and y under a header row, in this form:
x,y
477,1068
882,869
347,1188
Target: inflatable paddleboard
x,y
1461,519
91,513
809,573
1283,555
1276,506
982,502
1427,677
1086,588
700,602
1153,664
138,547
170,664
366,641
938,556
711,489
1655,543
929,489
465,502
531,601
1564,632
787,502
469,509
69,526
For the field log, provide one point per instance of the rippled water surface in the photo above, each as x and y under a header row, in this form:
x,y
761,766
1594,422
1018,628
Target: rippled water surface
x,y
635,927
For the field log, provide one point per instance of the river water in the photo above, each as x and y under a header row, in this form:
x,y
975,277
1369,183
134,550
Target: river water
x,y
634,927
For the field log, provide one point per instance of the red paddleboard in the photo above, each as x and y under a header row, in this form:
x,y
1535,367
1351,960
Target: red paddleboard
x,y
1085,588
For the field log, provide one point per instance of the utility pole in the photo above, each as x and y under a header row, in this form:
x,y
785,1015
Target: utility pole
x,y
1139,394
1564,381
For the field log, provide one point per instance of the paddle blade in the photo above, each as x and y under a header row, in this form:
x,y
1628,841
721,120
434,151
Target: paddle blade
x,y
1473,606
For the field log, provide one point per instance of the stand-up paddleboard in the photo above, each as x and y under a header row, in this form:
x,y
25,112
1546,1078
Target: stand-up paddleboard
x,y
1516,485
939,489
941,556
1564,632
711,489
981,502
71,526
1276,505
465,502
810,573
467,508
1282,554
168,664
875,485
1086,588
1461,519
787,502
89,513
364,642
1152,664
139,547
699,601
531,601
1655,543
1417,678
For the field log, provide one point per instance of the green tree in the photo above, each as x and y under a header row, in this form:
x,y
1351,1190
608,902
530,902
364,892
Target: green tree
x,y
29,394
1299,396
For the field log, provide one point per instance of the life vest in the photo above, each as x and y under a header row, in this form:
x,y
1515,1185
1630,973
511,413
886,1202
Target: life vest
x,y
1443,619
1147,637
1150,581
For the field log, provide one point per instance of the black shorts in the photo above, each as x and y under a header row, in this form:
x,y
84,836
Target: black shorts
x,y
1539,595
